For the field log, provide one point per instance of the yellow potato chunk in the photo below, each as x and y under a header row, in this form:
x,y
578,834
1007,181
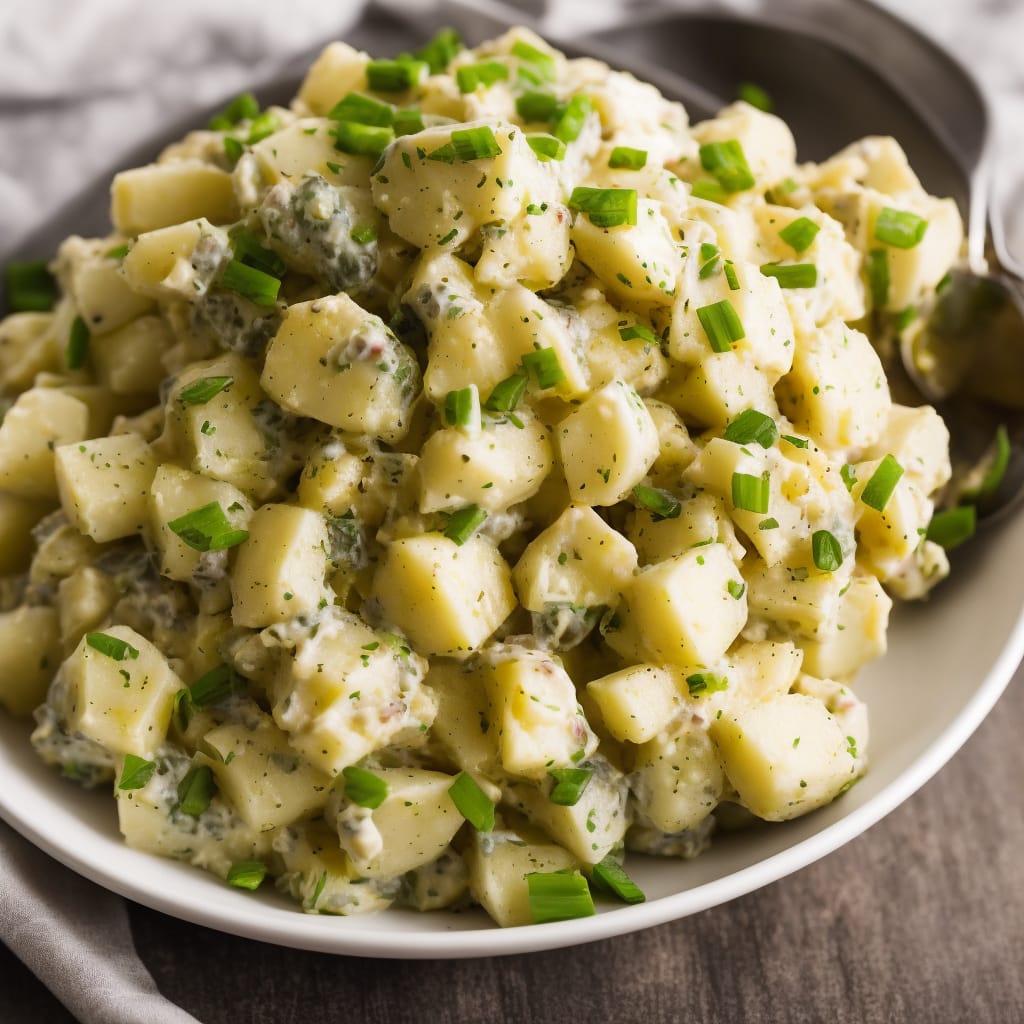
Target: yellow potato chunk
x,y
17,517
462,725
84,600
860,634
128,360
638,702
30,653
158,195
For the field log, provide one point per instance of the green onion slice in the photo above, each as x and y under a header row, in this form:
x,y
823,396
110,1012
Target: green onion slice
x,y
247,874
898,228
248,248
542,65
800,233
471,77
78,344
468,144
242,108
464,522
438,53
706,682
996,470
661,504
199,392
628,157
395,75
363,234
408,121
214,686
360,109
877,266
112,646
610,876
952,526
751,426
730,276
196,790
558,896
634,332
755,95
462,407
569,785
233,148
736,589
878,490
709,260
544,367
262,126
136,772
207,529
547,147
727,162
118,252
768,524
750,493
30,287
363,787
792,275
362,139
606,207
826,551
573,117
255,285
506,394
721,324
472,802
709,189
536,106
796,442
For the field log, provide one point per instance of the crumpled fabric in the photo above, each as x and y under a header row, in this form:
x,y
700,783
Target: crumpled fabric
x,y
81,84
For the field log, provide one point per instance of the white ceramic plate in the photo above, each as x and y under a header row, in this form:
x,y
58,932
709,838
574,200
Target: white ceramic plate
x,y
949,660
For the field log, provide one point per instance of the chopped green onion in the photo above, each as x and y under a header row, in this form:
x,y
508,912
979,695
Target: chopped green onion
x,y
356,107
362,139
264,125
709,189
462,407
878,490
626,156
472,802
792,275
118,252
506,394
207,529
536,106
826,551
137,771
541,63
996,471
727,162
463,523
547,147
768,524
730,276
251,283
544,367
30,287
214,686
751,426
709,259
952,526
248,248
848,473
752,93
750,493
612,878
721,324
233,148
558,896
247,874
878,277
898,228
471,77
736,589
800,233
407,122
796,442
112,646
904,318
242,108
635,332
661,504
363,787
438,53
606,207
196,790
199,392
573,117
78,344
569,785
468,144
395,75
363,234
706,682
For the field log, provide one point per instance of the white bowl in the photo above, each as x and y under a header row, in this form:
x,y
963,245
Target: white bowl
x,y
949,660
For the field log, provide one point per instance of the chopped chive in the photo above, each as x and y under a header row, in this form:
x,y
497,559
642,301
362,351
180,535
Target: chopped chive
x,y
462,407
721,324
610,876
214,686
569,123
878,490
356,107
661,504
706,682
898,228
255,285
484,74
78,344
547,147
247,874
264,125
112,646
792,275
771,523
569,785
606,207
463,523
408,121
207,529
137,771
199,392
250,250
796,442
727,162
952,526
558,896
848,473
506,394
826,551
904,318
536,106
755,95
541,63
730,276
996,470
30,287
233,148
751,426
196,790
800,233
472,802
438,53
448,236
750,493
468,144
362,139
877,266
544,367
363,234
628,157
736,589
709,189
710,256
242,108
118,252
637,332
363,787
395,75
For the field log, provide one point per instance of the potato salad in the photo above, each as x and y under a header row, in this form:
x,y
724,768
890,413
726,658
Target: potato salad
x,y
436,491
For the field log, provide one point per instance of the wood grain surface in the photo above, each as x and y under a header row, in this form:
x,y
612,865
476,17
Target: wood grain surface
x,y
919,920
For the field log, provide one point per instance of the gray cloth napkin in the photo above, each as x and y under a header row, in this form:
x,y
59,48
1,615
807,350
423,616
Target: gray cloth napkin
x,y
80,86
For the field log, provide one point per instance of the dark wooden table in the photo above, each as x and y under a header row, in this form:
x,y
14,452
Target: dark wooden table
x,y
919,920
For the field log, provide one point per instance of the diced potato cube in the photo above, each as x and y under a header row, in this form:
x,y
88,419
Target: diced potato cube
x,y
104,298
701,519
801,602
918,439
638,702
159,195
84,600
127,360
719,388
30,653
160,262
462,726
766,140
532,249
860,633
17,517
338,69
28,346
